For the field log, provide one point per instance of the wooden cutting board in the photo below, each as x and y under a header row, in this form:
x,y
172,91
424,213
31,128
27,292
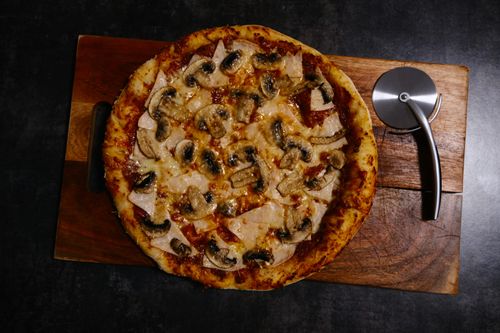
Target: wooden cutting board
x,y
393,249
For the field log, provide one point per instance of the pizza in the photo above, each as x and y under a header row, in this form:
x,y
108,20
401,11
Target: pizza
x,y
240,158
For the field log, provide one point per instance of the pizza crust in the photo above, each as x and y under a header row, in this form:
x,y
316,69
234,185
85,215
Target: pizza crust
x,y
343,218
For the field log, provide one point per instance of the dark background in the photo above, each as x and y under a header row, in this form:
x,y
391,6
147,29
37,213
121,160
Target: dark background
x,y
37,50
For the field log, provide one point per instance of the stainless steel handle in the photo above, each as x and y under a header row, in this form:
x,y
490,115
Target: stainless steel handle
x,y
431,145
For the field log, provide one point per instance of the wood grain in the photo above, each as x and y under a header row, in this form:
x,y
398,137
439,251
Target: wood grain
x,y
396,249
393,249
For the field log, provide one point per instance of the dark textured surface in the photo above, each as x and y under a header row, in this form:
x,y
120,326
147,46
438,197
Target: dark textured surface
x,y
37,48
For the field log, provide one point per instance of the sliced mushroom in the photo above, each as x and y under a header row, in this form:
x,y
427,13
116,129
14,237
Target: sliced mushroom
x,y
263,182
232,62
228,208
156,229
287,86
290,184
290,159
210,117
260,256
167,102
145,183
199,207
325,87
268,85
337,159
245,176
320,182
298,228
295,141
277,132
209,163
324,140
165,92
219,256
185,152
181,249
147,143
246,105
243,151
199,73
271,61
162,129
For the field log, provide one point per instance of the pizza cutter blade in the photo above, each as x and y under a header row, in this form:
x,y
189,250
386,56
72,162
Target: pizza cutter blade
x,y
405,99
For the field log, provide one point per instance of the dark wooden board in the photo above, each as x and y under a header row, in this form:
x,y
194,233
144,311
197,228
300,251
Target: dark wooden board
x,y
395,248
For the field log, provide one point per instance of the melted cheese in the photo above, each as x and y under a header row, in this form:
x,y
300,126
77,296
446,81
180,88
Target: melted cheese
x,y
281,252
163,242
180,183
145,121
317,102
145,201
203,225
254,224
160,82
177,135
326,193
200,99
293,65
330,126
235,251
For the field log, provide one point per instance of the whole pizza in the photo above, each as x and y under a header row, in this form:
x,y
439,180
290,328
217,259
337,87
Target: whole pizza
x,y
240,158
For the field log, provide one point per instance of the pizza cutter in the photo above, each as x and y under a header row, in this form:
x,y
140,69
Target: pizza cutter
x,y
406,100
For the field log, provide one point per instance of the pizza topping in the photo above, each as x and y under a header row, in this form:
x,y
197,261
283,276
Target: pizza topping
x,y
277,132
246,46
156,229
218,256
290,184
337,159
228,208
179,184
210,118
198,72
145,201
324,179
271,61
245,176
232,62
243,151
290,159
198,206
260,256
209,163
268,85
145,121
293,66
295,141
246,105
324,140
170,104
145,183
185,152
180,248
146,139
163,128
298,228
253,225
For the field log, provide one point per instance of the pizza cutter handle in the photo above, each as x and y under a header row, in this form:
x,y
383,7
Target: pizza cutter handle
x,y
436,165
